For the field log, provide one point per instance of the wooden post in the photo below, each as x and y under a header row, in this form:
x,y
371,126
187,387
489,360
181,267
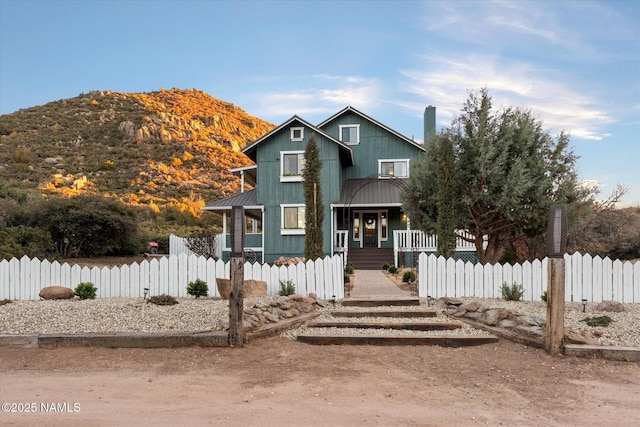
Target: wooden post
x,y
554,325
236,303
236,294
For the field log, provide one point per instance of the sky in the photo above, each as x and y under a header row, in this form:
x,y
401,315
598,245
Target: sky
x,y
574,64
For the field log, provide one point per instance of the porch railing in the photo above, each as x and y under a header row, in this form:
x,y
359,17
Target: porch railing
x,y
417,241
341,244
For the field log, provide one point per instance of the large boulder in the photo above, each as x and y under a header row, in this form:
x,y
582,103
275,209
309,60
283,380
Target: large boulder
x,y
251,289
611,306
56,292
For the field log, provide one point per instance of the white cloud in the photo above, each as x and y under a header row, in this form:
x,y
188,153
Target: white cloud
x,y
322,95
447,81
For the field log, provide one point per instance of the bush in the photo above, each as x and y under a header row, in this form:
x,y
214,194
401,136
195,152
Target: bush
x,y
85,290
392,269
385,266
163,300
5,301
347,277
598,321
511,293
198,288
409,276
287,288
543,297
349,269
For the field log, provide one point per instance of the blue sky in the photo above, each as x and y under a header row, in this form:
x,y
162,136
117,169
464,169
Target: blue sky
x,y
575,64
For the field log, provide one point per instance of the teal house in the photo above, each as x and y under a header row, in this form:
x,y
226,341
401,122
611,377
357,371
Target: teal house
x,y
365,165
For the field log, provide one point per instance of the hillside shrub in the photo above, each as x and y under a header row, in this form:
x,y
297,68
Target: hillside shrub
x,y
85,290
198,288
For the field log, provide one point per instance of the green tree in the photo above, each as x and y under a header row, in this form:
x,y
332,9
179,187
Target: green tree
x,y
508,171
446,197
314,209
89,226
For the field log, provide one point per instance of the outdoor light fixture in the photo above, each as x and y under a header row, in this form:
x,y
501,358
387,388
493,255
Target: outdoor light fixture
x,y
333,300
146,292
429,300
584,305
557,231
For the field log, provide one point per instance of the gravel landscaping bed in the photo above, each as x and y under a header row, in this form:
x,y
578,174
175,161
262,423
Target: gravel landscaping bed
x,y
109,315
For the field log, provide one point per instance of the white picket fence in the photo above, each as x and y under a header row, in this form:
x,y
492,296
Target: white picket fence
x,y
22,279
592,278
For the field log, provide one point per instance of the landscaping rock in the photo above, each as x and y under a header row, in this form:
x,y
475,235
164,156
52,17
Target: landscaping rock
x,y
611,306
470,306
494,315
531,320
251,289
56,292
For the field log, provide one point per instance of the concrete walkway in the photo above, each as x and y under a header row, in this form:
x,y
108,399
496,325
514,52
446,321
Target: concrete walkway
x,y
374,283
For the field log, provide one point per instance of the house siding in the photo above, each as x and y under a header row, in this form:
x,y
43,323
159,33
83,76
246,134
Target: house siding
x,y
272,193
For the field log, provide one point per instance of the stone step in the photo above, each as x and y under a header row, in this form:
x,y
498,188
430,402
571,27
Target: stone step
x,y
410,326
441,340
380,301
386,313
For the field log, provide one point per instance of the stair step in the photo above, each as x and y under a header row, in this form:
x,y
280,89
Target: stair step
x,y
409,326
441,340
380,301
385,313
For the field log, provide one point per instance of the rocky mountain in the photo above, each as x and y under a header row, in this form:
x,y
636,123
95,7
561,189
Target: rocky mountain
x,y
166,148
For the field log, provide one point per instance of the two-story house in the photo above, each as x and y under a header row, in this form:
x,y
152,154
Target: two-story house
x,y
365,165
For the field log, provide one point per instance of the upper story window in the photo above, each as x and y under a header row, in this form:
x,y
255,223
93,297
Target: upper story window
x,y
297,134
350,134
398,168
291,166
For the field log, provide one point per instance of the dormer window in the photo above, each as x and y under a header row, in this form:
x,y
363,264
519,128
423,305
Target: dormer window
x,y
396,168
350,134
297,134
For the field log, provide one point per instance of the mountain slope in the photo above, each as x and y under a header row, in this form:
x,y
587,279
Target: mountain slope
x,y
171,147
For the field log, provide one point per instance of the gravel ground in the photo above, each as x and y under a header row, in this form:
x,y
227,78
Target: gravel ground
x,y
110,315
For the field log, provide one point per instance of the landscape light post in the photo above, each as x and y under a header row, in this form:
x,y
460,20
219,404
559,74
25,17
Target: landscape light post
x,y
556,247
236,294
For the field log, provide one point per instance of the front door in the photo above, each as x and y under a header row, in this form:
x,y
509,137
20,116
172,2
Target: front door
x,y
370,229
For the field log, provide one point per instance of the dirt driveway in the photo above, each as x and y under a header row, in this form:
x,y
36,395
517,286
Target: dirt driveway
x,y
275,382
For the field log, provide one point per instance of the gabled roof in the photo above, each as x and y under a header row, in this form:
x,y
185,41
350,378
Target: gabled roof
x,y
350,109
346,153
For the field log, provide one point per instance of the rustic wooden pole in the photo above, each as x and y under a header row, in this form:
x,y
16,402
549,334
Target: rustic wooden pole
x,y
236,303
554,325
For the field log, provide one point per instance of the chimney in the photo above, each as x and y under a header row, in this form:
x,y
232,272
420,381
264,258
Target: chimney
x,y
429,123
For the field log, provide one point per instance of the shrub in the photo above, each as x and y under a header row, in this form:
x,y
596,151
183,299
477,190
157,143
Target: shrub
x,y
85,290
163,300
385,266
392,269
511,293
347,277
409,276
5,301
198,288
349,269
287,288
598,321
543,297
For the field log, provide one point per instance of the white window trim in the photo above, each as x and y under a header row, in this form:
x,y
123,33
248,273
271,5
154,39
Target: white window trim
x,y
289,178
350,126
293,130
381,161
290,231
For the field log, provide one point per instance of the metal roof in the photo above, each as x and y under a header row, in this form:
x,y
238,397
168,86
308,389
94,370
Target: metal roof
x,y
248,198
370,192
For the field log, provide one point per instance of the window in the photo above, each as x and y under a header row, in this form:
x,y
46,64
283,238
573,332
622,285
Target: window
x,y
292,219
395,168
350,134
291,165
297,134
253,226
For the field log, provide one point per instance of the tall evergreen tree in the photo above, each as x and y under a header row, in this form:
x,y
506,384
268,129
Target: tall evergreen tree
x,y
508,171
446,197
314,209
